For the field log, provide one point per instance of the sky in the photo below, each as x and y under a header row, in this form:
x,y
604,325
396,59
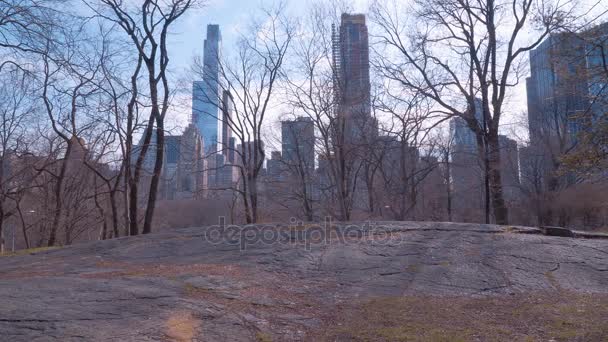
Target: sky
x,y
234,16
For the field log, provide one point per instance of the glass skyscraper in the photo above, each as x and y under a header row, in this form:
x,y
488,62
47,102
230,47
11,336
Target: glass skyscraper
x,y
206,94
460,132
564,93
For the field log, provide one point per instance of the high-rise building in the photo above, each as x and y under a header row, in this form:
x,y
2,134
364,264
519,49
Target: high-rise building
x,y
566,94
206,94
461,134
467,174
563,91
275,167
351,57
232,152
509,166
252,153
298,143
356,129
352,81
184,171
170,164
192,170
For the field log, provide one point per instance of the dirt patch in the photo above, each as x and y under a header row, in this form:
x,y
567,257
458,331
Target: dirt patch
x,y
538,317
181,327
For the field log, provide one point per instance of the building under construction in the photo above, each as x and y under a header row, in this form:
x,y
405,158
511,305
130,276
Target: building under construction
x,y
351,76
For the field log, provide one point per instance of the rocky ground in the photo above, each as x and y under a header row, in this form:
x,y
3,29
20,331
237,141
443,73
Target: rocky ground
x,y
382,282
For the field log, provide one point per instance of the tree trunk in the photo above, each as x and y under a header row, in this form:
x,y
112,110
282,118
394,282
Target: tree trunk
x,y
370,191
448,188
104,226
134,179
305,201
245,196
501,213
25,237
58,202
125,195
114,207
486,186
1,233
158,165
133,228
253,198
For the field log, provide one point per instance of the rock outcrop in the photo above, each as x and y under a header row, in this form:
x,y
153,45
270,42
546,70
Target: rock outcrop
x,y
280,283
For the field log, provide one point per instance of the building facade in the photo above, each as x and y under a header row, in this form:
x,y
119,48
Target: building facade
x,y
206,93
184,170
565,92
352,78
467,176
298,143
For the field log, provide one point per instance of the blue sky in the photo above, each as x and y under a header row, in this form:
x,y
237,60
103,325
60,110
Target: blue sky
x,y
235,15
232,16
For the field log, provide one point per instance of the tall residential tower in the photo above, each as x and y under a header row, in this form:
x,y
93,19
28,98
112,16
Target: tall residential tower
x,y
206,94
351,79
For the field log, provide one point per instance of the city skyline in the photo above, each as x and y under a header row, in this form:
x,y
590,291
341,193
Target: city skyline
x,y
209,170
189,44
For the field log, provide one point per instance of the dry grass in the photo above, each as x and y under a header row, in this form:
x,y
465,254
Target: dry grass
x,y
263,337
28,251
541,317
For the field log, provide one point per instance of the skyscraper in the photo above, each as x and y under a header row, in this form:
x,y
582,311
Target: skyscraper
x,y
275,167
509,166
352,80
206,94
298,143
564,94
184,172
466,168
461,134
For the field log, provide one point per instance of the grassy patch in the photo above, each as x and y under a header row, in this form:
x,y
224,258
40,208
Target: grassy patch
x,y
413,268
193,291
539,317
263,337
29,251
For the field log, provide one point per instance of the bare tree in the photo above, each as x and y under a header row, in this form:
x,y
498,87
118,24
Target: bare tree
x,y
444,144
67,84
296,167
251,78
17,110
24,28
459,53
147,27
312,88
405,140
